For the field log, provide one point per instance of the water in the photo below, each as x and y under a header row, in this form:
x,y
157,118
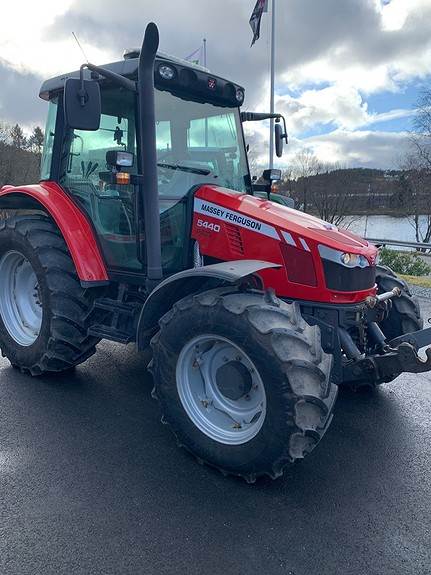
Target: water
x,y
384,227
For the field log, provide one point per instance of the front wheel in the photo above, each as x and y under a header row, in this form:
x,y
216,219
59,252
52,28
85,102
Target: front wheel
x,y
242,380
404,316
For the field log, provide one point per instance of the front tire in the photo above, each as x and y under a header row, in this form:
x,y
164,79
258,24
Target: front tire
x,y
404,316
242,380
43,308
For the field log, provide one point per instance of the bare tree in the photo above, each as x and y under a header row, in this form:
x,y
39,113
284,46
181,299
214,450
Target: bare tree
x,y
421,138
416,181
330,194
305,165
416,185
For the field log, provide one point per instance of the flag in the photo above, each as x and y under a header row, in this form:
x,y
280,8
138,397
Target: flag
x,y
195,57
256,17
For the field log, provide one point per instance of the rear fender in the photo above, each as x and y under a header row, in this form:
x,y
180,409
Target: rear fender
x,y
77,232
192,281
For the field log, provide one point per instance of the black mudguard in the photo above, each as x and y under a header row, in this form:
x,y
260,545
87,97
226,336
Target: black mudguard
x,y
190,281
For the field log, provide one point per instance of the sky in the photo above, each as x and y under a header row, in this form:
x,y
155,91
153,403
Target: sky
x,y
348,72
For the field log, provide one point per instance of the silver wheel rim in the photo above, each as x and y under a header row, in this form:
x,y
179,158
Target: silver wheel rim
x,y
20,305
221,389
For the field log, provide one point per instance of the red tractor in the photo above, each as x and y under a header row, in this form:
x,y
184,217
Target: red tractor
x,y
144,228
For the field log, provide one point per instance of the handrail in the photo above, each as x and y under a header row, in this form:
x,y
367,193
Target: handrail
x,y
414,245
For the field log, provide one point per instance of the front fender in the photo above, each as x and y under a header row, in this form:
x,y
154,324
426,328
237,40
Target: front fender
x,y
74,226
191,281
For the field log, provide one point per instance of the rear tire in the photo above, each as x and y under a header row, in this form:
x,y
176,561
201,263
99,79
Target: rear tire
x,y
270,337
405,315
60,339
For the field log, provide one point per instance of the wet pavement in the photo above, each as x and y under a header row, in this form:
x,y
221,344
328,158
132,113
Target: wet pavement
x,y
91,482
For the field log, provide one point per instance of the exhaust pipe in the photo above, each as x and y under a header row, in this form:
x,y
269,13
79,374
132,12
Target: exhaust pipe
x,y
148,154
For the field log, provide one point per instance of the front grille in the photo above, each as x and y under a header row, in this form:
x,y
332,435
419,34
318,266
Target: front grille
x,y
299,265
342,278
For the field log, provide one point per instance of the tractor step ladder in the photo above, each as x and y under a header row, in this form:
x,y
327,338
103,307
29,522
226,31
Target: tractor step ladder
x,y
120,322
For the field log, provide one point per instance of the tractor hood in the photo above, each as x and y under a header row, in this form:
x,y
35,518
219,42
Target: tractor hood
x,y
276,220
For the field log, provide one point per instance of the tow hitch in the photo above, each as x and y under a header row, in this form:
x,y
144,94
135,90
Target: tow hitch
x,y
399,355
391,358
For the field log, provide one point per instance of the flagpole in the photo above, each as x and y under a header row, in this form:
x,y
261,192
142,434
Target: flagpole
x,y
272,88
205,65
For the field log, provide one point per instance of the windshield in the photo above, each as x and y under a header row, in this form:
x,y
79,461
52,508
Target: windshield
x,y
196,144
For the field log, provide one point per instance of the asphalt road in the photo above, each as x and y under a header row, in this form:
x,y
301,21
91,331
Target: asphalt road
x,y
91,482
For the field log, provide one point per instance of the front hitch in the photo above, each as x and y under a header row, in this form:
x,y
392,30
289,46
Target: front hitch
x,y
400,356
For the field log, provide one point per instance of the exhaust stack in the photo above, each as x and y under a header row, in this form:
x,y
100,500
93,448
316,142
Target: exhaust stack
x,y
148,154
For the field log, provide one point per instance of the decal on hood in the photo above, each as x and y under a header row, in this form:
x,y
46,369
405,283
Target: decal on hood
x,y
231,217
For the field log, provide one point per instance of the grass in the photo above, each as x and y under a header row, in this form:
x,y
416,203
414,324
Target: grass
x,y
422,281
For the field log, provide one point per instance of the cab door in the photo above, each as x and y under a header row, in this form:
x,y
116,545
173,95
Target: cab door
x,y
110,207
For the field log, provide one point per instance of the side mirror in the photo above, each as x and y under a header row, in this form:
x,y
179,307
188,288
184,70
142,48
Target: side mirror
x,y
119,159
82,104
279,137
271,175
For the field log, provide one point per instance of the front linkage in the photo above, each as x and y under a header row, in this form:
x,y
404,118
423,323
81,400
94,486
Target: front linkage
x,y
398,356
362,353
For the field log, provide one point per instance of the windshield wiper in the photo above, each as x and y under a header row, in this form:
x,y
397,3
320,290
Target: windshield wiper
x,y
200,171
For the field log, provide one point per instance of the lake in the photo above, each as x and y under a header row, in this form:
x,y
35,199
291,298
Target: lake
x,y
383,227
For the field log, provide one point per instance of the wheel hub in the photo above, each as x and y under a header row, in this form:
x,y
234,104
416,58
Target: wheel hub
x,y
221,390
20,299
234,380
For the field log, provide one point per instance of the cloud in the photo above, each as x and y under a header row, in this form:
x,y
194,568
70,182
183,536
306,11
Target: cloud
x,y
360,148
18,97
331,55
372,149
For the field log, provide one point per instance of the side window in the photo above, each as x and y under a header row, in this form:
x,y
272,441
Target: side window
x,y
110,207
45,167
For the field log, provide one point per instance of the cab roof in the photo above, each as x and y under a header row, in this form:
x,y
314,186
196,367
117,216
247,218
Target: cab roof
x,y
189,81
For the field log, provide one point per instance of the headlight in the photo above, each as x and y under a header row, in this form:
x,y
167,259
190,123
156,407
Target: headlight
x,y
239,96
345,271
346,259
166,72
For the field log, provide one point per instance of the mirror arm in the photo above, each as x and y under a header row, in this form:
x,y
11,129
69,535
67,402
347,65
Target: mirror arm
x,y
109,75
283,136
257,116
82,92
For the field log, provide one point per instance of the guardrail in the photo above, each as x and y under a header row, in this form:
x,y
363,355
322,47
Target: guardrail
x,y
413,245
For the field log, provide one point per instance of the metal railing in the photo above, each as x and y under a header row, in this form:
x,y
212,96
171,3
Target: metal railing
x,y
413,245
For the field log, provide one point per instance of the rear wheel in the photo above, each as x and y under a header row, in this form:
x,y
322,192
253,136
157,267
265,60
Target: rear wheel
x,y
242,380
43,308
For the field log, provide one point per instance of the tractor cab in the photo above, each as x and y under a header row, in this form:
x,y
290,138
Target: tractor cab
x,y
199,140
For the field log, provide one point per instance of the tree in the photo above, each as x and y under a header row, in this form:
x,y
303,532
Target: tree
x,y
35,142
421,138
330,195
417,181
305,164
17,137
416,184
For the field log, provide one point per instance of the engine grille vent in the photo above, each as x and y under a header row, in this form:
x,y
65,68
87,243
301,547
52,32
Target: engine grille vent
x,y
235,239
